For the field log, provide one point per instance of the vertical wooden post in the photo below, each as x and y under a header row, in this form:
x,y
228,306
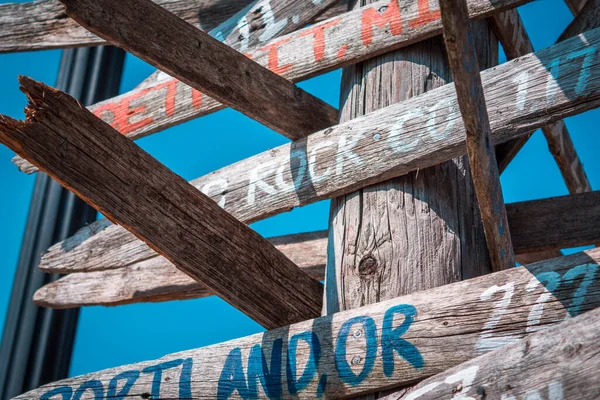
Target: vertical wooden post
x,y
418,231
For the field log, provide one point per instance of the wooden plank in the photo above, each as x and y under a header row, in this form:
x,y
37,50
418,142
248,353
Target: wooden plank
x,y
43,24
527,369
462,57
573,220
156,279
575,5
585,20
400,138
132,188
257,24
196,58
378,346
509,27
350,38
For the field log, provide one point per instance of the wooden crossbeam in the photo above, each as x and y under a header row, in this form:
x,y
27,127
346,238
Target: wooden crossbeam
x,y
257,24
383,345
462,57
576,5
201,61
509,27
527,369
586,19
350,38
574,221
393,141
43,24
132,188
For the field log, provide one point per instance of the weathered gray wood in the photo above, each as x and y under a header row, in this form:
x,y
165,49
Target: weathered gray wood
x,y
560,363
156,279
400,138
462,57
413,337
204,63
257,24
549,224
585,20
340,41
516,43
130,187
575,5
43,24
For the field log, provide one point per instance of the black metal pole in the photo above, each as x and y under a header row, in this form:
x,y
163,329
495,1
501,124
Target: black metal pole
x,y
37,342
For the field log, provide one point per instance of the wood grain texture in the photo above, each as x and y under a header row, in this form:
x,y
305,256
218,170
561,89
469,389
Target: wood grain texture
x,y
88,157
462,57
585,20
542,225
156,279
557,135
376,147
257,24
196,58
43,24
560,363
350,38
575,5
383,345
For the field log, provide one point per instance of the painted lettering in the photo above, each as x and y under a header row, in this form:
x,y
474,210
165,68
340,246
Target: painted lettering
x,y
389,14
425,15
552,282
297,167
296,384
397,140
92,385
130,377
391,339
346,143
270,378
220,188
345,372
65,393
589,273
185,389
318,33
312,161
273,56
486,341
232,377
465,377
257,174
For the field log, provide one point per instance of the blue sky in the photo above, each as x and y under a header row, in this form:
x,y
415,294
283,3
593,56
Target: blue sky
x,y
112,336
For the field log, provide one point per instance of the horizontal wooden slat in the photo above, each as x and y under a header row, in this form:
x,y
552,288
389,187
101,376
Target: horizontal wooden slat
x,y
574,221
390,142
560,363
556,133
43,24
130,187
350,38
379,346
204,63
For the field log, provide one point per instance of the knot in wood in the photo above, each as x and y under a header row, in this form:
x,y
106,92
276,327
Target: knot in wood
x,y
368,266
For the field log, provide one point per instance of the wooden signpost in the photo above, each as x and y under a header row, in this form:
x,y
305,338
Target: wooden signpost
x,y
387,344
513,334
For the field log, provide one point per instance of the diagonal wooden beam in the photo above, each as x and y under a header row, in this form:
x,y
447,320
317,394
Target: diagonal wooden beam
x,y
196,58
350,38
383,345
462,58
575,221
43,24
257,24
575,5
527,369
393,141
511,32
585,20
132,188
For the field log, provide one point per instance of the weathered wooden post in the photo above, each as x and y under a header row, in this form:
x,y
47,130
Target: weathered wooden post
x,y
421,230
